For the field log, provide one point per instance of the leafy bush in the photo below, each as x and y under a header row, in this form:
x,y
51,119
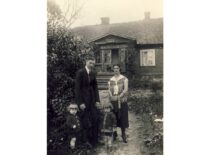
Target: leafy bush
x,y
139,83
148,104
156,102
65,55
146,83
156,85
131,63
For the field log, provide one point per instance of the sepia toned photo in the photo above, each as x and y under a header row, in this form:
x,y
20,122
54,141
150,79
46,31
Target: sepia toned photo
x,y
105,77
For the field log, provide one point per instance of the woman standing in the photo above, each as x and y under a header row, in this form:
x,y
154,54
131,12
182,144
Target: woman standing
x,y
118,88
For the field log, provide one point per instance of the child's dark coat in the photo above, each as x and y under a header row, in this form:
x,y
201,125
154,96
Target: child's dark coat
x,y
71,121
108,122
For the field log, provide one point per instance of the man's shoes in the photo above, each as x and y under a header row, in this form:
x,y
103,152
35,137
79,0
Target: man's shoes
x,y
109,149
100,143
114,135
88,145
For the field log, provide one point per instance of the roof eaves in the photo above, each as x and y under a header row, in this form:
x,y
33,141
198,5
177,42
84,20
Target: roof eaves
x,y
108,34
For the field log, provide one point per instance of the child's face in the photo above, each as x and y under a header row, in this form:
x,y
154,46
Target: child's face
x,y
107,109
73,111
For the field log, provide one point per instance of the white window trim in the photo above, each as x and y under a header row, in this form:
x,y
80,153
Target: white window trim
x,y
141,57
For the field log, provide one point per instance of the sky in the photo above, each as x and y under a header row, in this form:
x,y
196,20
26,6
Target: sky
x,y
117,10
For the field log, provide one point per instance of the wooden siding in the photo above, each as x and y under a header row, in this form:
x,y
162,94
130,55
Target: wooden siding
x,y
150,70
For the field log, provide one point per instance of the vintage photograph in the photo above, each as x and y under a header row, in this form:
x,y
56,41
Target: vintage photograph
x,y
105,77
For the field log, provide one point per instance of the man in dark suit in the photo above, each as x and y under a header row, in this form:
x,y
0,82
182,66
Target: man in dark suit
x,y
87,98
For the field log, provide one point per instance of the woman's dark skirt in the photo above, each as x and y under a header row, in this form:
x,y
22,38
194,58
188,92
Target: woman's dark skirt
x,y
121,114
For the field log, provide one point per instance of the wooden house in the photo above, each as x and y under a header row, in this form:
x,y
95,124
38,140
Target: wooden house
x,y
137,46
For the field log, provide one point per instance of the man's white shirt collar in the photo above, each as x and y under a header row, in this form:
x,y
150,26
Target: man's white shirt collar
x,y
88,71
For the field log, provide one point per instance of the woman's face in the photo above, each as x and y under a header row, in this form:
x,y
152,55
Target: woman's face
x,y
116,69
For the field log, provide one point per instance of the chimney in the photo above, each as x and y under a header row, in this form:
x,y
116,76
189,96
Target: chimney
x,y
146,15
104,20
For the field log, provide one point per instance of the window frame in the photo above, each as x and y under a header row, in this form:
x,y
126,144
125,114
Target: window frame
x,y
109,54
142,60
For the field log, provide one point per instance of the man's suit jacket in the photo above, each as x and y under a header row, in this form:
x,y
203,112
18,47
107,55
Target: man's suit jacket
x,y
86,89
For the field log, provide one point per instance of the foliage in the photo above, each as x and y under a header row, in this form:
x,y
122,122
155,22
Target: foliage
x,y
65,55
147,83
148,104
139,83
131,63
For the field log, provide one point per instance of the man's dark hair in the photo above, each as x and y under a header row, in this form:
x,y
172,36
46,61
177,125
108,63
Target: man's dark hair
x,y
89,58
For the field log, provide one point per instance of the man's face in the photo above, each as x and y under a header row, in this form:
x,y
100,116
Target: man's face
x,y
90,64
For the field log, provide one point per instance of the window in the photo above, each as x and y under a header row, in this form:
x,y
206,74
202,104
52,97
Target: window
x,y
107,56
98,57
147,57
122,55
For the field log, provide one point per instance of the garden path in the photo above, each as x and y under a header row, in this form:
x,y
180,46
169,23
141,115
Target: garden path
x,y
133,147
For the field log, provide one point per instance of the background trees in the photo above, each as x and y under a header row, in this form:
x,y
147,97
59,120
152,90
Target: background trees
x,y
65,55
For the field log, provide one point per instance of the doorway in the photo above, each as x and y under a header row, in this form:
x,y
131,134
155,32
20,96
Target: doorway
x,y
115,56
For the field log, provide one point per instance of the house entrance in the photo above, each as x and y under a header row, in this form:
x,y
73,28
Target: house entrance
x,y
106,58
115,56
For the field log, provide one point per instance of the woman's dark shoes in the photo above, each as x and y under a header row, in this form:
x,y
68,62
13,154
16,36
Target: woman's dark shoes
x,y
124,138
115,136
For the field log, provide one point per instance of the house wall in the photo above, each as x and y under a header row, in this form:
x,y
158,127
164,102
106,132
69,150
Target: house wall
x,y
150,71
122,49
131,66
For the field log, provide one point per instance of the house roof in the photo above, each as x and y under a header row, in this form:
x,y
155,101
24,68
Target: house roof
x,y
113,35
144,31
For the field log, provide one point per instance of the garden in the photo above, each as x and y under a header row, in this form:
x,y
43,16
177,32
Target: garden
x,y
147,104
65,55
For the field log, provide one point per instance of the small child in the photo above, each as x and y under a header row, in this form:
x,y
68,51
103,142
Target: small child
x,y
73,125
108,126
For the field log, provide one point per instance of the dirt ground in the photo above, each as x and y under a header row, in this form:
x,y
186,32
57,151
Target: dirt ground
x,y
133,147
140,134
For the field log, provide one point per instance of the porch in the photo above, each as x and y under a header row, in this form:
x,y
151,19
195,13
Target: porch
x,y
106,58
111,49
102,79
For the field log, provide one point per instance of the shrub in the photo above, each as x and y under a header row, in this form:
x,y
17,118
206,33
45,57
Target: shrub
x,y
149,105
143,101
146,83
65,55
156,85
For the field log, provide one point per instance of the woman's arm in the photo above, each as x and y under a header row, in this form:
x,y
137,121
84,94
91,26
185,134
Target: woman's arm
x,y
109,89
125,90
